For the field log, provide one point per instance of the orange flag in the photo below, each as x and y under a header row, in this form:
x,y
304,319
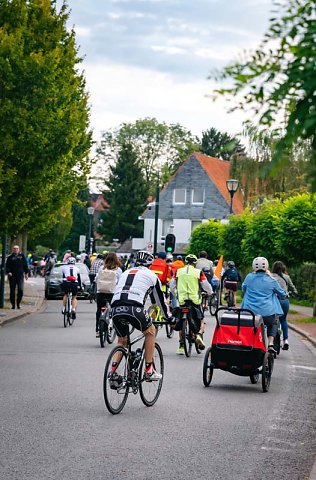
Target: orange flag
x,y
219,267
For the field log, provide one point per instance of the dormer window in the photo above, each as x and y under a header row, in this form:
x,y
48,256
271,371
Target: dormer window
x,y
179,196
197,196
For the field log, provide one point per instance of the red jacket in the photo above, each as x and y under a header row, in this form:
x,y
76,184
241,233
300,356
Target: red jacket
x,y
162,270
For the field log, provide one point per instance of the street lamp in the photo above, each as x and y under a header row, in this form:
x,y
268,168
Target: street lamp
x,y
90,213
156,217
232,187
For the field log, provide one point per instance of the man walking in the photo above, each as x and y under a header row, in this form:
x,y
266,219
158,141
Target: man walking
x,y
16,269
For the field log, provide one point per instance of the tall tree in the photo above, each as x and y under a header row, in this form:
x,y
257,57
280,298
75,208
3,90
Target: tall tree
x,y
127,196
220,144
44,115
280,78
160,148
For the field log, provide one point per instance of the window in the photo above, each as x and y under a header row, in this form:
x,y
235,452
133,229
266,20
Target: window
x,y
195,223
179,196
198,196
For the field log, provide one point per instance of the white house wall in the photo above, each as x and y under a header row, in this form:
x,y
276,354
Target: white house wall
x,y
182,229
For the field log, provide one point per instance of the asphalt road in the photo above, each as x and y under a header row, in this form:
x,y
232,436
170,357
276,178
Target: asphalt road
x,y
54,424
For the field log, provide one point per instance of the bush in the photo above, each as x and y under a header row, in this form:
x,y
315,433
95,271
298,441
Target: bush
x,y
304,278
232,235
206,237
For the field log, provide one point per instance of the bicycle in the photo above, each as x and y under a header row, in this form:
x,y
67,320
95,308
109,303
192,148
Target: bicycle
x,y
129,375
188,329
68,319
155,314
106,328
92,292
231,288
214,302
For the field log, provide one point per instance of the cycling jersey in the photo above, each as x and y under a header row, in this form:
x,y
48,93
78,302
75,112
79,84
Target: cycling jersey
x,y
189,281
70,273
135,285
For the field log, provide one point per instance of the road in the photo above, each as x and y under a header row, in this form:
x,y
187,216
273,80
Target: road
x,y
54,424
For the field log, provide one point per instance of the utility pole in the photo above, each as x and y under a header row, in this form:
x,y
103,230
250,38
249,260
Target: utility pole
x,y
2,273
156,218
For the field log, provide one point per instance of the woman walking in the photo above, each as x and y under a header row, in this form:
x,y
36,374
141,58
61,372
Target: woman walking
x,y
284,280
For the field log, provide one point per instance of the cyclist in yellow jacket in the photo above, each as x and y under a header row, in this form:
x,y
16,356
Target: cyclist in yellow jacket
x,y
188,285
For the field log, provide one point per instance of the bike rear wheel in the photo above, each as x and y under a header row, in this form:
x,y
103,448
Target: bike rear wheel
x,y
115,395
102,331
150,391
187,337
169,330
65,318
230,299
111,332
213,304
71,319
267,368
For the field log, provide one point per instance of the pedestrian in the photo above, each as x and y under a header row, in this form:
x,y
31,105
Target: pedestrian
x,y
17,270
284,280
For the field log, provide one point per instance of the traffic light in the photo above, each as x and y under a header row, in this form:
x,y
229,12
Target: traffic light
x,y
170,243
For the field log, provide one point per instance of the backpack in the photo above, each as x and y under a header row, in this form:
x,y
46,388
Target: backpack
x,y
106,280
232,275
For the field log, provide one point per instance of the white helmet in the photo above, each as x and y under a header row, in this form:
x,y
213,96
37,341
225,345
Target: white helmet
x,y
71,261
260,263
144,258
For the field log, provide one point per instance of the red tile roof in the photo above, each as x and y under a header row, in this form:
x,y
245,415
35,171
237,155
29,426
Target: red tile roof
x,y
218,171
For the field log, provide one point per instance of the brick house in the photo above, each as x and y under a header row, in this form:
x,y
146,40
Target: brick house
x,y
196,193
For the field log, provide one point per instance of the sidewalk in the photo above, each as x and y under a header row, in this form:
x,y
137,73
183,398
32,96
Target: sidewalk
x,y
307,330
32,301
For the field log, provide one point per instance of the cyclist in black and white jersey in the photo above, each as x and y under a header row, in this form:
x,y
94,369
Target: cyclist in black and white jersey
x,y
71,282
128,307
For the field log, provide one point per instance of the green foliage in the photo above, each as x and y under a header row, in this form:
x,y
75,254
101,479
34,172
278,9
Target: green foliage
x,y
127,196
220,144
297,229
232,236
44,116
160,148
304,278
280,76
262,232
206,236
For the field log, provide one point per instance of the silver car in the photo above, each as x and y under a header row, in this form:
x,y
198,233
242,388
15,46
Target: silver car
x,y
54,280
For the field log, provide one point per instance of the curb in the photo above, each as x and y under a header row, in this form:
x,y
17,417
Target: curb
x,y
303,333
38,304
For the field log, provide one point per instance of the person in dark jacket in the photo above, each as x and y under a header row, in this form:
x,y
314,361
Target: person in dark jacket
x,y
16,269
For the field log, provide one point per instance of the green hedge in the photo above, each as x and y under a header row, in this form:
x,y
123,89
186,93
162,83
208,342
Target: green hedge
x,y
304,278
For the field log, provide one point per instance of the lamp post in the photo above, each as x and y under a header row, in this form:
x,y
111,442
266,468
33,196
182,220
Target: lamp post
x,y
232,187
156,217
90,213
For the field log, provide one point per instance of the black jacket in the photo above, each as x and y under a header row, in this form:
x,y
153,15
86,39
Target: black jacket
x,y
16,264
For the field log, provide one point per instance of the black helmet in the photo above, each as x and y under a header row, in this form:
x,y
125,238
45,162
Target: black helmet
x,y
231,264
144,258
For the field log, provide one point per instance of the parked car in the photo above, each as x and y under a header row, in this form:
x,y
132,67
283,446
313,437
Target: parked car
x,y
54,280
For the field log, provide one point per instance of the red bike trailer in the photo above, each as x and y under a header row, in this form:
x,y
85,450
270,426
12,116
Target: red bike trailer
x,y
239,347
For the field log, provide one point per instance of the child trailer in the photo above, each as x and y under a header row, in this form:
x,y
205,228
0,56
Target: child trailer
x,y
239,346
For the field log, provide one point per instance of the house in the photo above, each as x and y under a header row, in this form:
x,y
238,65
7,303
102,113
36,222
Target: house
x,y
196,193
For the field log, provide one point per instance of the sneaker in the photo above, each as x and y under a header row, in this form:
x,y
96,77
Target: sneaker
x,y
286,345
151,375
180,350
115,381
271,349
97,334
73,314
63,311
199,341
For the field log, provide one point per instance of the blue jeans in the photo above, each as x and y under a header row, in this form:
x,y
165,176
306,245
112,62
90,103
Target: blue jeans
x,y
285,304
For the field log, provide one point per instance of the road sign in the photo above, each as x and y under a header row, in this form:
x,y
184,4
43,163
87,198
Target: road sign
x,y
82,243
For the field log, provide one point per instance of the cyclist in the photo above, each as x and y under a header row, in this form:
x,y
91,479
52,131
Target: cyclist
x,y
106,280
261,296
130,295
204,262
163,271
71,282
190,280
94,268
231,277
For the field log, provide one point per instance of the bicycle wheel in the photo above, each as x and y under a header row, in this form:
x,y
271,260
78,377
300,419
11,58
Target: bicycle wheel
x,y
65,317
169,330
102,331
116,393
230,299
111,332
70,318
208,368
150,391
267,368
213,304
187,337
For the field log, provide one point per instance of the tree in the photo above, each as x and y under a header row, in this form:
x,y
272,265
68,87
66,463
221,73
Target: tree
x,y
220,145
127,196
160,148
44,115
280,78
206,237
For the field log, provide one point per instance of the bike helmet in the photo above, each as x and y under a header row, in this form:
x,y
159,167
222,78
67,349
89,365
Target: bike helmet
x,y
231,264
260,263
71,260
162,255
191,259
144,258
206,270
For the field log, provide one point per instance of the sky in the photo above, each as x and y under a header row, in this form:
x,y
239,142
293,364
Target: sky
x,y
151,58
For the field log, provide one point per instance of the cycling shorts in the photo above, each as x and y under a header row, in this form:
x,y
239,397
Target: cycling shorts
x,y
231,285
125,315
70,287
